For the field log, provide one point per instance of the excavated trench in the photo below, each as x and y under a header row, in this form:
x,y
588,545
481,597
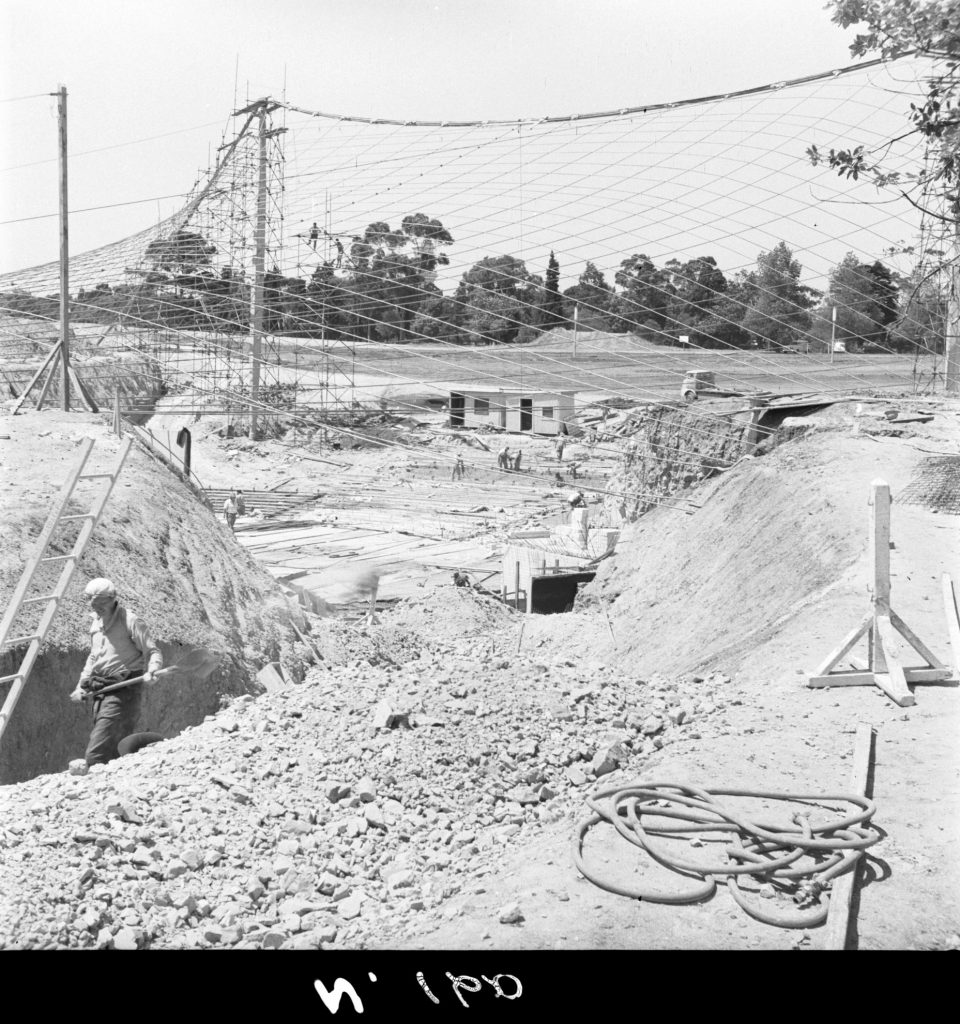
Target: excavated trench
x,y
678,446
47,730
173,562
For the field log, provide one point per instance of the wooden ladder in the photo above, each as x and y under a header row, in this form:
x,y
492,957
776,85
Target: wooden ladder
x,y
39,557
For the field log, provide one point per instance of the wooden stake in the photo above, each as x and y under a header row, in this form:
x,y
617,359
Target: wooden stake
x,y
841,892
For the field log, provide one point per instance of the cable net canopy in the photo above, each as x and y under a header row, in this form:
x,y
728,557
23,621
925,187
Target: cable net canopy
x,y
699,222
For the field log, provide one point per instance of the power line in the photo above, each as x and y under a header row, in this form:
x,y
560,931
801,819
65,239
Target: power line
x,y
32,96
91,209
104,149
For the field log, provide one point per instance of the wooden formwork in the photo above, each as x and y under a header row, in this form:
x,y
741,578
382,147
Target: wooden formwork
x,y
882,628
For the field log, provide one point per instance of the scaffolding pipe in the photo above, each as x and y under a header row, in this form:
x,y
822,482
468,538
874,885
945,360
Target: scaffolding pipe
x,y
257,318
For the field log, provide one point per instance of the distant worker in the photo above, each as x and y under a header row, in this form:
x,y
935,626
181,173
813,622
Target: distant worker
x,y
561,443
339,246
576,500
458,469
121,647
314,235
230,511
238,500
460,578
631,451
516,460
502,458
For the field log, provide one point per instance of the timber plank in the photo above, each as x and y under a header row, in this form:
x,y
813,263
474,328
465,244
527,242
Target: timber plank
x,y
841,892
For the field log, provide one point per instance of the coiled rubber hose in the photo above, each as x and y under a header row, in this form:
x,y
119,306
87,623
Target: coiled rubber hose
x,y
767,851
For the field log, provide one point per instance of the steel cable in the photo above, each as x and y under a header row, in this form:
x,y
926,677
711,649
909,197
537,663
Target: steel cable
x,y
767,851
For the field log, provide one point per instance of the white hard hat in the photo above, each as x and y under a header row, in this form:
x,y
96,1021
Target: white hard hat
x,y
100,587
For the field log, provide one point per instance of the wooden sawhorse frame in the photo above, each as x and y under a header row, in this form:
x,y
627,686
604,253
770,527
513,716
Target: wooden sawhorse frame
x,y
884,665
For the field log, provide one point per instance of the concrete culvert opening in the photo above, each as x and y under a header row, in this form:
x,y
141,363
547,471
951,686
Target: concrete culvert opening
x,y
557,592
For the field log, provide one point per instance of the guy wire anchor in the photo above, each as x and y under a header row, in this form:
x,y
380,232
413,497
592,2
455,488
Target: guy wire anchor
x,y
884,666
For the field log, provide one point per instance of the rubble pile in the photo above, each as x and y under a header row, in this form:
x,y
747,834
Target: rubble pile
x,y
336,813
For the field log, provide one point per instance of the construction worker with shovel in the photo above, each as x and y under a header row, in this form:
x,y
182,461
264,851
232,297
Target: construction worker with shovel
x,y
121,647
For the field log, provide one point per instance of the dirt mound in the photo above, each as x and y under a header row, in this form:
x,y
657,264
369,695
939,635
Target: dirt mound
x,y
173,562
774,535
452,614
446,617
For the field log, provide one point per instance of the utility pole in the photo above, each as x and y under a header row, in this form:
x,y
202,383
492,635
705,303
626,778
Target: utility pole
x,y
833,332
64,253
259,109
576,326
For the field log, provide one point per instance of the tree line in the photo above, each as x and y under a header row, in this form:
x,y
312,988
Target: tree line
x,y
382,288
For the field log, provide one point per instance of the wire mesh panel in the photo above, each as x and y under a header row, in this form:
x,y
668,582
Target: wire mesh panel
x,y
935,485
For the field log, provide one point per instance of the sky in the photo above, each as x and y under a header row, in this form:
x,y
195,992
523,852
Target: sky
x,y
151,86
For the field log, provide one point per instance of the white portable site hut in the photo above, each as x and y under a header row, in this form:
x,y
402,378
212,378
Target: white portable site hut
x,y
517,410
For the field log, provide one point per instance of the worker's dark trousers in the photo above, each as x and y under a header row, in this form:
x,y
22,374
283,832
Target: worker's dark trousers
x,y
114,716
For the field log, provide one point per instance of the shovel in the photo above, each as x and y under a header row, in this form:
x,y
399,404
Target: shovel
x,y
199,663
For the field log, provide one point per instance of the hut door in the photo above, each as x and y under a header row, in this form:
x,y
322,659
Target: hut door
x,y
456,409
526,413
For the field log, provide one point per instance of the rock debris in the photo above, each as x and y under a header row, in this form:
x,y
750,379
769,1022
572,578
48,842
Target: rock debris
x,y
335,813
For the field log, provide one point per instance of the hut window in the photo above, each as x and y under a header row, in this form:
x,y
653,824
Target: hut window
x,y
548,412
481,406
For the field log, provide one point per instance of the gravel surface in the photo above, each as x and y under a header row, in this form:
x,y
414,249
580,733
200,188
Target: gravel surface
x,y
335,812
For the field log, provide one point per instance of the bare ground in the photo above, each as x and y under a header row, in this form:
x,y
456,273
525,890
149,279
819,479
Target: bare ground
x,y
759,584
762,583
